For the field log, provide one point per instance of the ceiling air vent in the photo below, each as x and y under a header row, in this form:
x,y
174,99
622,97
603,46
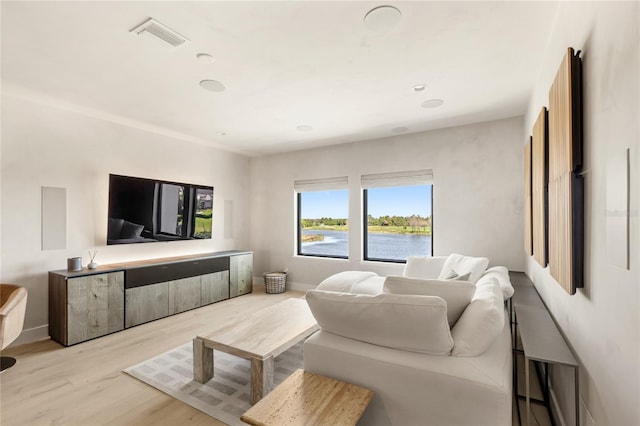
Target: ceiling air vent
x,y
160,31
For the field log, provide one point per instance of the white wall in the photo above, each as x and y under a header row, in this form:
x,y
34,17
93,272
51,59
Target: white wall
x,y
477,198
601,321
47,146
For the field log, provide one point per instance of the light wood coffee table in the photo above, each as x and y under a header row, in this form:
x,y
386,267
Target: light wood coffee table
x,y
258,337
310,399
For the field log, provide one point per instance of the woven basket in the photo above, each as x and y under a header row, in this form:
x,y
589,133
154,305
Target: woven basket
x,y
275,282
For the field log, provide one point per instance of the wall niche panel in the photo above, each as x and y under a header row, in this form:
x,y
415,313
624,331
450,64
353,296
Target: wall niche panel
x,y
566,185
539,188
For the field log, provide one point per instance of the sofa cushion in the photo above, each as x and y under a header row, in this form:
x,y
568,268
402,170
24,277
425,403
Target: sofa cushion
x,y
412,323
481,322
372,285
344,281
453,275
464,264
501,274
457,294
423,266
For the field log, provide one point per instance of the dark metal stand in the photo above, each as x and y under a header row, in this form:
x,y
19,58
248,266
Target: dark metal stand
x,y
6,362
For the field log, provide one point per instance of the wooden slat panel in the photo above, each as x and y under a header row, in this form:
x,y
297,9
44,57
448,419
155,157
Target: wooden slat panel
x,y
528,241
539,188
560,122
561,251
561,166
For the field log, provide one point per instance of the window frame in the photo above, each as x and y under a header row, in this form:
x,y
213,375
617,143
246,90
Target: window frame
x,y
299,228
365,227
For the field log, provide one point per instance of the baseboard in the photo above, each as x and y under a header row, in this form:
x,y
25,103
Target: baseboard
x,y
29,335
300,286
259,282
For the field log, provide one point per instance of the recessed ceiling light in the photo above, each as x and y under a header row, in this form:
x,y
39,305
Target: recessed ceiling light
x,y
213,85
432,103
382,18
205,58
399,129
304,128
419,87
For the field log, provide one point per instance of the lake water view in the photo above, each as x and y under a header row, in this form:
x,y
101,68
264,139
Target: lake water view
x,y
381,246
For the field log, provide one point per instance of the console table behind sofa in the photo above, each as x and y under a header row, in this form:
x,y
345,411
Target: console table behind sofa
x,y
541,340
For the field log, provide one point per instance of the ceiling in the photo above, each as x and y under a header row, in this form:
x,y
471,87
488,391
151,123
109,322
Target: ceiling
x,y
284,65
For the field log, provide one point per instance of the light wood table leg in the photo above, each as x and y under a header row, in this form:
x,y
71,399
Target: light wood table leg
x,y
202,361
261,378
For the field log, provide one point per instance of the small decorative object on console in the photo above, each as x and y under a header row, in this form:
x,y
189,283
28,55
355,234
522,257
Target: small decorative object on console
x,y
92,264
74,264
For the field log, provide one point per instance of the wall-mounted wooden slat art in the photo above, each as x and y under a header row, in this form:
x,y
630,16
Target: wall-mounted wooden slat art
x,y
566,185
539,188
528,240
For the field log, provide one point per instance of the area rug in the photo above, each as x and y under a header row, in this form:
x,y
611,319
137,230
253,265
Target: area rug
x,y
226,396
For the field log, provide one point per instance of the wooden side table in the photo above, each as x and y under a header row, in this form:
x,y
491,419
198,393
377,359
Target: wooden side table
x,y
310,399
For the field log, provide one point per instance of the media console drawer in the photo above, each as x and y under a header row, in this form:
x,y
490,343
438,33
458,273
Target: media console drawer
x,y
129,294
145,275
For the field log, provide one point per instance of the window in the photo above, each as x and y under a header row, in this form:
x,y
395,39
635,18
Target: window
x,y
397,215
323,209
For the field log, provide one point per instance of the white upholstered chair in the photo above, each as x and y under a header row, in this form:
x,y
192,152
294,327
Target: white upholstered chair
x,y
13,305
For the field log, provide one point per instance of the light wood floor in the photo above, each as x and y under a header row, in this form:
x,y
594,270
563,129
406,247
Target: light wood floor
x,y
84,384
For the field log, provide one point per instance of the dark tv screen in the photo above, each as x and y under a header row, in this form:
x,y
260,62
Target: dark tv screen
x,y
148,210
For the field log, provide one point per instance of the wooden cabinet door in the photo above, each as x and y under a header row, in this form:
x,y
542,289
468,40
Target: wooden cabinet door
x,y
95,306
215,287
184,294
146,303
240,274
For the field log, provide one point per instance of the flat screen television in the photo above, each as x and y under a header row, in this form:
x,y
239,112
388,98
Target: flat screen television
x,y
148,210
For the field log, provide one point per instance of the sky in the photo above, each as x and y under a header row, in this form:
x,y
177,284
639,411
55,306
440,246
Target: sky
x,y
393,201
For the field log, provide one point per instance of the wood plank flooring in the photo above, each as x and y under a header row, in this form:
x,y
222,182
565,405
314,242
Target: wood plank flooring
x,y
84,384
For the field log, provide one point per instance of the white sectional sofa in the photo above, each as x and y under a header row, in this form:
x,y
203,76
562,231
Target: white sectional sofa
x,y
434,351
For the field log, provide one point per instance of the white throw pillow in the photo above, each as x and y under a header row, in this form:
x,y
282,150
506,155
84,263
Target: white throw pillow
x,y
457,294
411,323
481,322
453,275
464,264
501,274
344,281
425,267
